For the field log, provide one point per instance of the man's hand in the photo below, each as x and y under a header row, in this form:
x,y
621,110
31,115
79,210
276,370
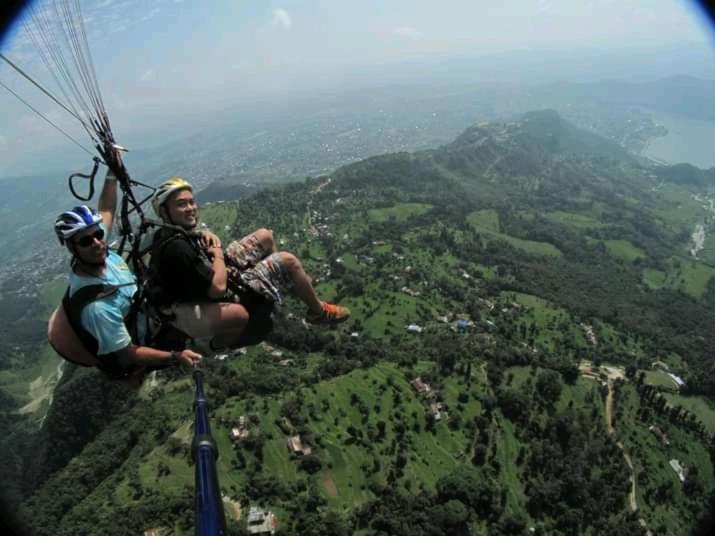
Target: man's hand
x,y
208,240
114,161
188,357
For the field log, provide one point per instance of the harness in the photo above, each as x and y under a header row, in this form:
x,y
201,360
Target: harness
x,y
75,304
259,307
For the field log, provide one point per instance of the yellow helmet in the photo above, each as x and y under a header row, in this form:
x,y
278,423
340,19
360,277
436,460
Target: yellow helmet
x,y
167,188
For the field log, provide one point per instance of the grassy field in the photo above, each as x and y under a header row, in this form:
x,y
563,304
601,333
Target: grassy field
x,y
552,323
659,379
696,276
707,254
623,249
688,276
399,213
486,222
677,208
348,461
579,221
701,407
651,462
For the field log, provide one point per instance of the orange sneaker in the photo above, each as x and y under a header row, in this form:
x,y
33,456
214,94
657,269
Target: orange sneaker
x,y
330,315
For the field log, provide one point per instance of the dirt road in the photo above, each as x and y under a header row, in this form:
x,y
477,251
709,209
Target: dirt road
x,y
632,498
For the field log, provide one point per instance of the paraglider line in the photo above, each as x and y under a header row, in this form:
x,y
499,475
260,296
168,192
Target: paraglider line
x,y
45,118
50,95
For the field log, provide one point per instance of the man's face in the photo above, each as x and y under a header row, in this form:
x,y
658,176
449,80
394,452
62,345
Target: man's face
x,y
182,209
90,245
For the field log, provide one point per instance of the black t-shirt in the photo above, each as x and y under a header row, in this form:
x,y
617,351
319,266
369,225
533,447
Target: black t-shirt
x,y
185,275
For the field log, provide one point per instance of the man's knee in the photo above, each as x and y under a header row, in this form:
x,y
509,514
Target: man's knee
x,y
290,262
265,237
235,314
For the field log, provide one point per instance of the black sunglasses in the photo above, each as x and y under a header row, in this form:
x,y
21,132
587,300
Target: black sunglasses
x,y
88,240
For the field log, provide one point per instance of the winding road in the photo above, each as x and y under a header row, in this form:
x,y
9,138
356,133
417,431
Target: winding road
x,y
609,426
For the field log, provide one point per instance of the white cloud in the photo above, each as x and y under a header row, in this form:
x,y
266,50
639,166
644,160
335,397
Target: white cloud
x,y
149,15
405,31
544,5
280,17
147,75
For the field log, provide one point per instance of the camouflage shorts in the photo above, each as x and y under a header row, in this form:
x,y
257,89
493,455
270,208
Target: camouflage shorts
x,y
249,263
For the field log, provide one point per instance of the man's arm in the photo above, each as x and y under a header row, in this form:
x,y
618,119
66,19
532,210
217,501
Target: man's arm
x,y
220,277
107,204
212,245
147,356
105,323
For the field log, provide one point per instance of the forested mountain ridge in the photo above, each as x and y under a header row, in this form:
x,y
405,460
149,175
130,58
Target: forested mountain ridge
x,y
553,183
519,251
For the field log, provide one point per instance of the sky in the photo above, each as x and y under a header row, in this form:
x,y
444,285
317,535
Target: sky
x,y
165,61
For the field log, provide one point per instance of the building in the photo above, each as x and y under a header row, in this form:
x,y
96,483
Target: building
x,y
240,432
435,409
679,470
590,335
677,379
261,521
414,328
410,292
421,387
462,325
296,446
661,435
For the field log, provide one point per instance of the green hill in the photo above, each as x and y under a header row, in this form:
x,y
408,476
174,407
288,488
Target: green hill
x,y
547,242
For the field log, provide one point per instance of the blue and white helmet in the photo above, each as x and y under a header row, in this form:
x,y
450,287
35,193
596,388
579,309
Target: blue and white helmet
x,y
73,221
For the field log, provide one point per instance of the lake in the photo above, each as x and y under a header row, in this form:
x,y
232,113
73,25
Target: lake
x,y
688,140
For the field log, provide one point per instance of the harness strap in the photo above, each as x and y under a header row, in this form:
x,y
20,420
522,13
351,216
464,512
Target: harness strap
x,y
73,306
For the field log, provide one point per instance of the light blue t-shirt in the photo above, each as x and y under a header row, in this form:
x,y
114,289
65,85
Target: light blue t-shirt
x,y
104,318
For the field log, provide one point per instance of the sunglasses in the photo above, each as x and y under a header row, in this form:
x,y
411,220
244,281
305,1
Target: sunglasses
x,y
88,240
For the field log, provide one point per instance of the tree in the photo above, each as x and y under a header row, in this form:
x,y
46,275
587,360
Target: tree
x,y
468,485
514,405
452,515
310,463
548,386
480,455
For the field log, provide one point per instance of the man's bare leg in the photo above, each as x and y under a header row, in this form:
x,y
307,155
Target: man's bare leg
x,y
320,312
302,284
212,325
228,321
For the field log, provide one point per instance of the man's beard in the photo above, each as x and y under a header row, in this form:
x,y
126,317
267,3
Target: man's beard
x,y
94,264
90,263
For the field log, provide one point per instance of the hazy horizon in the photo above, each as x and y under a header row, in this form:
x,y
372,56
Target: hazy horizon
x,y
177,66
